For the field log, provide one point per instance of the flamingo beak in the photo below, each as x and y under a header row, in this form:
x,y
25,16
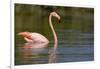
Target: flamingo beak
x,y
59,20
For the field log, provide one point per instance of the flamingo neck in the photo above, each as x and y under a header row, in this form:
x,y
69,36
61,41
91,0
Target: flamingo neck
x,y
54,33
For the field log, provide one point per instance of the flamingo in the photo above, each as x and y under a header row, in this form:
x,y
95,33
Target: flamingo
x,y
33,37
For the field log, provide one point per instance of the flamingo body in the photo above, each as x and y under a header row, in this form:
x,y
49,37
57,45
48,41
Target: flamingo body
x,y
34,37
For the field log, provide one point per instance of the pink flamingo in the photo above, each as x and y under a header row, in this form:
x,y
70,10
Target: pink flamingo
x,y
38,38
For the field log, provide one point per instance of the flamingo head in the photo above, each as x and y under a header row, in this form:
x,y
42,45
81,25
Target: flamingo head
x,y
54,14
24,34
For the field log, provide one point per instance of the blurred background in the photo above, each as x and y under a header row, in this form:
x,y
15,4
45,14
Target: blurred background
x,y
75,33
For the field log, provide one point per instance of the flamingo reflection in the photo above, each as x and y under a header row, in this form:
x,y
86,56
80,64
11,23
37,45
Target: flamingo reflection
x,y
32,55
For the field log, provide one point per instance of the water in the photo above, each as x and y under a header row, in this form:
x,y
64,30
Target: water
x,y
75,35
75,47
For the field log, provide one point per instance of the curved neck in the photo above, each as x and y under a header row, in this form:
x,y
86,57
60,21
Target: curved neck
x,y
54,33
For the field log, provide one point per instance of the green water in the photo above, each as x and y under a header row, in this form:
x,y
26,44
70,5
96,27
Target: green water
x,y
75,34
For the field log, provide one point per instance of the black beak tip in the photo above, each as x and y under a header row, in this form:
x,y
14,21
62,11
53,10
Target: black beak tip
x,y
59,21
